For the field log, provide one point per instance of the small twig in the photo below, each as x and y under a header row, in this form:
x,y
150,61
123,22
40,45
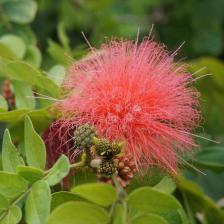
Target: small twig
x,y
79,164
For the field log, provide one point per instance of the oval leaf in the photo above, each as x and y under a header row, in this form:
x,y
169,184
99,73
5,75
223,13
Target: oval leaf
x,y
33,56
149,200
38,202
62,197
34,146
78,213
11,185
23,95
58,171
12,216
22,11
6,52
101,194
166,185
29,173
21,71
10,155
15,44
211,157
149,219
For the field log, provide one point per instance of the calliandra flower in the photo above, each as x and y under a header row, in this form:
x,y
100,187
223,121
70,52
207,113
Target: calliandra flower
x,y
135,93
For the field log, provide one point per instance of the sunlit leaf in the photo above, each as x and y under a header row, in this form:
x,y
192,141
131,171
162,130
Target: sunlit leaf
x,y
15,44
58,171
12,216
78,213
12,185
34,146
149,200
23,95
149,219
29,173
10,155
33,56
102,194
38,202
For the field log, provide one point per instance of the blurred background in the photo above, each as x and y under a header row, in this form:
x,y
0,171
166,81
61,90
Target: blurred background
x,y
51,33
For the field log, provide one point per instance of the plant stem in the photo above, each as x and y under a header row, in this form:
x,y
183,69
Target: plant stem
x,y
112,209
121,195
125,216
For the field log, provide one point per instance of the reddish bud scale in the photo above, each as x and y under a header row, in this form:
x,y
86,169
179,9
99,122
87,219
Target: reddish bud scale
x,y
125,171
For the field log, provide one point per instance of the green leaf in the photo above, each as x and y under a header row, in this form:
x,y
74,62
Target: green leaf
x,y
22,71
78,213
0,161
59,54
4,203
12,185
22,11
33,56
62,35
10,155
101,194
31,174
58,171
149,219
211,158
23,95
15,44
166,185
62,197
146,179
199,202
38,202
52,88
3,104
57,74
13,215
12,116
149,200
6,52
41,118
34,146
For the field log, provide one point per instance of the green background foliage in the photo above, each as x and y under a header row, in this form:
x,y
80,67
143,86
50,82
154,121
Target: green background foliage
x,y
38,40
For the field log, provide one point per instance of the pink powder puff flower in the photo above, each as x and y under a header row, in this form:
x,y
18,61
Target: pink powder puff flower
x,y
136,93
